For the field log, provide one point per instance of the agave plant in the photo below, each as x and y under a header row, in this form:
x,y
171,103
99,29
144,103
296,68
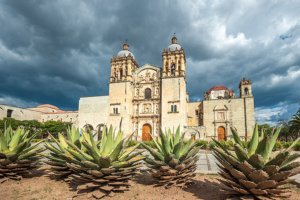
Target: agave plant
x,y
58,149
104,166
17,154
173,160
253,169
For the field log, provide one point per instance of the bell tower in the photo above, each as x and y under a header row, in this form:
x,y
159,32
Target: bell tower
x,y
173,60
120,88
173,86
123,65
245,88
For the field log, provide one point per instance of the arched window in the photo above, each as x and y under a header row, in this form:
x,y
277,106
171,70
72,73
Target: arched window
x,y
246,91
175,108
121,73
88,127
147,93
100,128
173,69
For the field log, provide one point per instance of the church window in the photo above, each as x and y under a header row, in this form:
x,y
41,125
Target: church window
x,y
121,73
147,93
173,69
246,90
173,108
9,113
115,111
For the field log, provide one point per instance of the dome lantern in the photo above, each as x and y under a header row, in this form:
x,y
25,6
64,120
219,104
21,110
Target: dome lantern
x,y
125,51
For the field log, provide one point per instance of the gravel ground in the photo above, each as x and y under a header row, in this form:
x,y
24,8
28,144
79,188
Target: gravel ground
x,y
42,187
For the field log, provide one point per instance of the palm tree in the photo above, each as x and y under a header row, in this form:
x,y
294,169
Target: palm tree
x,y
294,124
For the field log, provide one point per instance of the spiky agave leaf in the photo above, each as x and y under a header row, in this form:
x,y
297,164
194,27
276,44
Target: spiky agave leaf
x,y
60,151
173,161
18,156
102,166
253,170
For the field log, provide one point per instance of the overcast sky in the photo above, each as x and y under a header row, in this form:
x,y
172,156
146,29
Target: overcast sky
x,y
56,51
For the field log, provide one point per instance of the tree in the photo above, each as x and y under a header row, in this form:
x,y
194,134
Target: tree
x,y
53,127
266,128
294,125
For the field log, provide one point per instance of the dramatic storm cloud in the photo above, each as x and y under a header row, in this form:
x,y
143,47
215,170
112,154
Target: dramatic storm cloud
x,y
57,51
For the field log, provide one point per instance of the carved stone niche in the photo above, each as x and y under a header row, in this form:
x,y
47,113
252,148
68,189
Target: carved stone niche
x,y
141,78
147,108
148,76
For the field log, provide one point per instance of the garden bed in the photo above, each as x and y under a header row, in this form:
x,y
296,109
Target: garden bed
x,y
42,187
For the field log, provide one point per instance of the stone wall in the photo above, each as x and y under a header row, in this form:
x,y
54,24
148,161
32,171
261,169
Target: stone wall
x,y
238,113
20,113
193,116
120,97
63,117
93,111
173,93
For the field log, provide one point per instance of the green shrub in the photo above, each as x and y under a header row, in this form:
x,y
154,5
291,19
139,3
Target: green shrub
x,y
132,143
203,143
286,144
211,145
150,143
297,147
278,146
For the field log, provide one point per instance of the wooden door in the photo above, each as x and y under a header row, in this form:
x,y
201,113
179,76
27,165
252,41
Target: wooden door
x,y
221,133
146,132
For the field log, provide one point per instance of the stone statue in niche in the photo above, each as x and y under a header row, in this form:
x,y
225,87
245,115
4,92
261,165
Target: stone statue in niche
x,y
141,77
148,76
154,76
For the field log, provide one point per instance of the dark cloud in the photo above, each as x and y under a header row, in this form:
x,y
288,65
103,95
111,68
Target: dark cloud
x,y
57,51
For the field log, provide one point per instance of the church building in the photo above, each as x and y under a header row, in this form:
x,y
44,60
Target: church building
x,y
146,98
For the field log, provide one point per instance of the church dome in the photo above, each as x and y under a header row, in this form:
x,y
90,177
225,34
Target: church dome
x,y
174,46
217,88
125,52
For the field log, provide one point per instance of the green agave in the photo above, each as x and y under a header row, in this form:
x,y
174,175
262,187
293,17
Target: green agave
x,y
59,150
102,166
253,169
173,160
17,154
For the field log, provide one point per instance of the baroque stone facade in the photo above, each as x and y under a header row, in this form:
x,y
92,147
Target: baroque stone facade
x,y
145,98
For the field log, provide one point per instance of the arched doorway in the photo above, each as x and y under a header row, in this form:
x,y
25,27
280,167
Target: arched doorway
x,y
88,128
146,132
100,128
221,133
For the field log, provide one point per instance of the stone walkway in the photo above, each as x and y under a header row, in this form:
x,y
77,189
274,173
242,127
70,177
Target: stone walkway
x,y
207,164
